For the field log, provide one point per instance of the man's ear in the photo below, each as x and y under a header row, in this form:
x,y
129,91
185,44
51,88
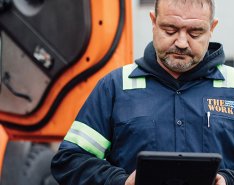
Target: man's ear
x,y
213,25
153,18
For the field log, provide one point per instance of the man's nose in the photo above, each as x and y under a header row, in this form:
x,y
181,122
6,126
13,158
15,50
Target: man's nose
x,y
182,41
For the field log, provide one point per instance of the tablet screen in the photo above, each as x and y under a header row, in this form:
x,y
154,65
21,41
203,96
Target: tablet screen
x,y
173,168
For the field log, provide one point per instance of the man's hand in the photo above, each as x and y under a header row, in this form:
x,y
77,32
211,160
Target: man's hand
x,y
131,179
219,180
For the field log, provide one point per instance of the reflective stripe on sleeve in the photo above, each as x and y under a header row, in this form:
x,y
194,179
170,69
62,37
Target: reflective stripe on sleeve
x,y
88,139
132,83
228,73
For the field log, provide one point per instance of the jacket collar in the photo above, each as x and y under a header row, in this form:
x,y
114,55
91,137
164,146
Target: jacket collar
x,y
148,66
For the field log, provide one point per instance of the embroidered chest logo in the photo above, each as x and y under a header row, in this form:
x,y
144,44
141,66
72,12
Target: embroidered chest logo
x,y
220,106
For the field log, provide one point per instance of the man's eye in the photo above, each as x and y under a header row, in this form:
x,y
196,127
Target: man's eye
x,y
170,32
195,35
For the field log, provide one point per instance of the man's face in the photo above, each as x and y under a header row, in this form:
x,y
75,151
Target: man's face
x,y
181,34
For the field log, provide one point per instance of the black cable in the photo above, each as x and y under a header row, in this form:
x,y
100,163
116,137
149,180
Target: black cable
x,y
35,2
1,65
4,4
6,81
76,80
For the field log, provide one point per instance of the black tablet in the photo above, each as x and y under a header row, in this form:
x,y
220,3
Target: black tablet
x,y
173,168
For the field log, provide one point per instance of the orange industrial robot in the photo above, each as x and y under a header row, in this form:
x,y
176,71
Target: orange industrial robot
x,y
52,53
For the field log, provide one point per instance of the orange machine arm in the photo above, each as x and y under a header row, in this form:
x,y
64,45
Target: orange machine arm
x,y
52,119
3,145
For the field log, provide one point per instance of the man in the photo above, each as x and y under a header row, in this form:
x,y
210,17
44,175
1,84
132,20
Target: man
x,y
178,97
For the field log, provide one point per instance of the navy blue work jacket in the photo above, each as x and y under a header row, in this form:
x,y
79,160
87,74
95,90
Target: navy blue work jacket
x,y
141,107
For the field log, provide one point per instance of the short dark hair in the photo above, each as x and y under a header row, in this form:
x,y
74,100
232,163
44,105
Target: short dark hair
x,y
211,3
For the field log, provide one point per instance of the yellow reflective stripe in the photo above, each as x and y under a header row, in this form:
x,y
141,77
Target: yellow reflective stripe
x,y
88,139
83,143
228,73
132,83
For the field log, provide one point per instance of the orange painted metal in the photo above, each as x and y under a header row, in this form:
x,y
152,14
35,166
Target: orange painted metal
x,y
3,145
105,17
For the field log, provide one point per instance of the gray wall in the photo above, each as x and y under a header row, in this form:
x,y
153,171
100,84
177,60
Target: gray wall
x,y
224,33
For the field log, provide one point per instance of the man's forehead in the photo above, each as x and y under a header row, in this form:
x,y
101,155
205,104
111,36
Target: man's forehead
x,y
177,22
185,10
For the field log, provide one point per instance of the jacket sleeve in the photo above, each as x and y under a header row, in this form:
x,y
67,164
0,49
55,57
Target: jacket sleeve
x,y
228,176
72,166
81,156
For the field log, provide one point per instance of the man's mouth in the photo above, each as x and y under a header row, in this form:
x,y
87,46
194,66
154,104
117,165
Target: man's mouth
x,y
179,55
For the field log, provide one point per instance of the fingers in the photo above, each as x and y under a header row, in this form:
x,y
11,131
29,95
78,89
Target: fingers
x,y
131,179
219,180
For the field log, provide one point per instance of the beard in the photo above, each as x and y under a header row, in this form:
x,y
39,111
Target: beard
x,y
178,65
181,62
